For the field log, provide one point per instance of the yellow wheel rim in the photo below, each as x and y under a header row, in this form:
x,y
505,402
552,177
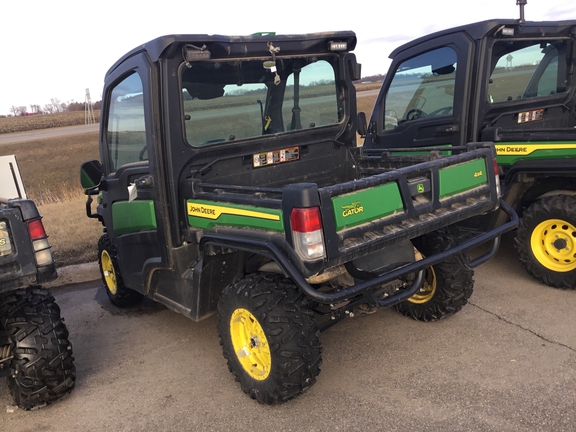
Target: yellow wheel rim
x,y
250,344
428,288
108,272
553,244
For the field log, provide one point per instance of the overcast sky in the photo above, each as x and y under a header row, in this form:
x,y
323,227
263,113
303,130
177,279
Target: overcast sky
x,y
59,48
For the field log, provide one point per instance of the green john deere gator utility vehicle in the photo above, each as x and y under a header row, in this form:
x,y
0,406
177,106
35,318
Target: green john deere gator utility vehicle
x,y
510,82
230,182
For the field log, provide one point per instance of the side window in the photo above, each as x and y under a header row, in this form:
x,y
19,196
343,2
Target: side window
x,y
523,70
423,86
126,133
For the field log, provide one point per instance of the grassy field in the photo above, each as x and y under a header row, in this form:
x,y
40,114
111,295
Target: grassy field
x,y
50,169
51,172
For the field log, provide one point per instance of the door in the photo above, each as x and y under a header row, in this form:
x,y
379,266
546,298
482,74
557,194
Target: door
x,y
128,192
424,95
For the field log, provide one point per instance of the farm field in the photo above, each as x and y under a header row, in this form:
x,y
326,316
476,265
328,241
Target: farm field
x,y
43,121
50,170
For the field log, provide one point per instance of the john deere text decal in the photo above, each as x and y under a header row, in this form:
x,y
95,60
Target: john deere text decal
x,y
206,214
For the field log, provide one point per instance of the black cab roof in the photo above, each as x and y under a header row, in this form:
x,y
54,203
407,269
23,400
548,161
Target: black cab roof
x,y
486,28
221,46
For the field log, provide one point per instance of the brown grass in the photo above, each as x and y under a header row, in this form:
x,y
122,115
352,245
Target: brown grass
x,y
365,104
51,171
368,86
50,167
73,236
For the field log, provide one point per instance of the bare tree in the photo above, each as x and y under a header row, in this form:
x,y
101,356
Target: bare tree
x,y
49,109
18,110
35,109
56,104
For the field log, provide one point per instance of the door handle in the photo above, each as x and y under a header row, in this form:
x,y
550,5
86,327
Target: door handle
x,y
144,181
446,130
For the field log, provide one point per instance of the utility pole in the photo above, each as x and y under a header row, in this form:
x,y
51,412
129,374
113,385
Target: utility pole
x,y
88,111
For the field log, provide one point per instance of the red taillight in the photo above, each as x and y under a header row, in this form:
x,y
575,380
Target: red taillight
x,y
40,242
36,229
307,234
306,219
497,177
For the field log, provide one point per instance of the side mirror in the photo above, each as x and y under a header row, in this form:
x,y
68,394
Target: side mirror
x,y
362,127
91,174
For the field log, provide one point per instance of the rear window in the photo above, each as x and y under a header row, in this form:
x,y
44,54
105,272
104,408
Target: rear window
x,y
232,100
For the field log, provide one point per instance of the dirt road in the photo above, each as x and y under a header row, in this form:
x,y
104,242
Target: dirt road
x,y
506,362
47,133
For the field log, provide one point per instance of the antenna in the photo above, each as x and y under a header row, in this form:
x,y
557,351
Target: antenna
x,y
521,3
88,111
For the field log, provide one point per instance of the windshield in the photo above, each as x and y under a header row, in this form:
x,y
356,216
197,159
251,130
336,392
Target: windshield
x,y
232,100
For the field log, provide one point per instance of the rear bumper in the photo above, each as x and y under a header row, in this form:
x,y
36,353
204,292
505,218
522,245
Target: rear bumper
x,y
365,288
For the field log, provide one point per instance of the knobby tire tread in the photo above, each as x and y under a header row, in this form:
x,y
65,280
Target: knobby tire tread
x,y
43,369
454,281
289,326
555,207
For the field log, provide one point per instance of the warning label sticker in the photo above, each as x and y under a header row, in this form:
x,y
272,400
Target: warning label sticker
x,y
275,157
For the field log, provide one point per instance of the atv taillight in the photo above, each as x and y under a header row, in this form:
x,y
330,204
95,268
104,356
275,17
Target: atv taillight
x,y
307,233
497,178
40,242
36,229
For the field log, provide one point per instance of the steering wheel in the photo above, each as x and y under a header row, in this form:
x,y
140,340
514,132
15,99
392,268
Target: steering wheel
x,y
447,110
415,114
142,153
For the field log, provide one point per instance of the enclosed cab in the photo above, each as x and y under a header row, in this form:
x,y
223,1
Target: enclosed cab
x,y
510,82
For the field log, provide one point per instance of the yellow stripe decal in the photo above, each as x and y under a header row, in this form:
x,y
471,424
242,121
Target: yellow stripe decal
x,y
526,149
213,212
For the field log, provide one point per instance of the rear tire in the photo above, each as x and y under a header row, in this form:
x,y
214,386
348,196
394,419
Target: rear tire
x,y
42,367
447,285
269,337
119,294
546,241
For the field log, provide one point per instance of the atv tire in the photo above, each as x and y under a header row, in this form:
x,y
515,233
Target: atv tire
x,y
546,241
119,294
269,337
447,285
42,366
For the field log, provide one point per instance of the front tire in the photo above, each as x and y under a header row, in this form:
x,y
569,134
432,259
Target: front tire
x,y
546,241
42,365
119,294
447,286
269,337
